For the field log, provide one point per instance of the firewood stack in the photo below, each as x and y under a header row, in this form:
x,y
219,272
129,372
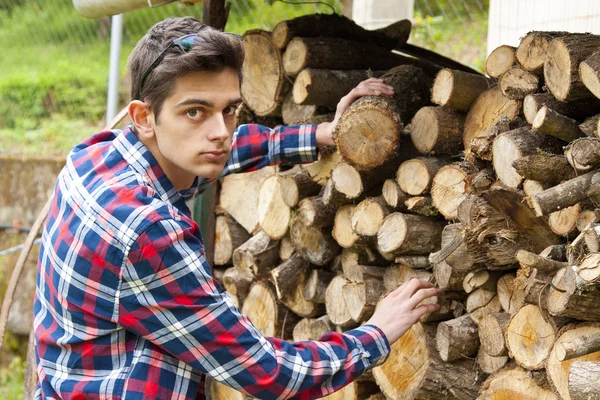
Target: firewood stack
x,y
486,186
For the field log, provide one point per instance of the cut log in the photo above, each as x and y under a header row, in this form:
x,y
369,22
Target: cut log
x,y
561,68
362,256
500,60
532,50
264,86
342,227
259,254
297,114
361,273
362,297
457,338
561,196
321,326
447,277
396,275
577,109
589,73
415,262
489,107
589,269
237,283
409,234
583,154
492,330
481,303
320,170
584,380
564,222
558,371
286,275
490,364
552,123
229,236
452,305
274,215
531,286
566,300
368,216
506,290
316,245
481,147
316,285
516,83
267,313
514,383
437,130
422,205
393,195
549,169
457,89
368,133
538,262
590,126
512,145
450,187
325,87
454,250
586,219
298,186
286,248
313,212
530,336
220,391
481,279
578,347
336,306
414,370
415,176
338,26
302,330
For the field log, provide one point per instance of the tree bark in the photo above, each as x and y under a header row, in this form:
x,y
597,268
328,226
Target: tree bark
x,y
578,347
457,89
313,212
362,297
437,130
457,338
584,380
316,285
538,262
298,114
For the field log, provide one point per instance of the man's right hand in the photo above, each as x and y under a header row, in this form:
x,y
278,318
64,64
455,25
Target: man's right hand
x,y
400,309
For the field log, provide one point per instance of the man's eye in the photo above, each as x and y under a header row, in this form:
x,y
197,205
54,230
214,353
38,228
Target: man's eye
x,y
230,110
194,114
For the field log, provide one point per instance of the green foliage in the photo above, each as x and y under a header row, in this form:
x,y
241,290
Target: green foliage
x,y
12,380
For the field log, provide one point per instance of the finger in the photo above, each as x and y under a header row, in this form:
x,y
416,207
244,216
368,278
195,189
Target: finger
x,y
381,87
423,309
421,295
399,289
414,285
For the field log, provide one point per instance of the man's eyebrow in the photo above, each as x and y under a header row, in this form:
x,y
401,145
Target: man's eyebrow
x,y
207,103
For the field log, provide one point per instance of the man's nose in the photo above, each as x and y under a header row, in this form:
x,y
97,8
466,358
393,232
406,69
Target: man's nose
x,y
218,128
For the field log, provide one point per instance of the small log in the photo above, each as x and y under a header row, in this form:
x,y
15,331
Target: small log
x,y
362,297
298,114
342,231
531,286
506,290
490,364
336,308
396,275
584,380
286,275
589,269
481,147
583,154
545,168
361,273
259,254
577,109
415,262
229,236
561,196
274,215
586,219
589,73
561,68
500,60
447,277
316,285
237,283
515,383
416,175
457,89
302,330
516,83
457,338
540,263
378,120
566,300
552,123
286,248
590,126
564,222
422,205
368,216
451,186
409,234
532,50
267,313
481,279
320,326
481,303
492,330
298,186
557,252
393,195
313,212
315,245
437,130
530,336
578,347
557,370
320,170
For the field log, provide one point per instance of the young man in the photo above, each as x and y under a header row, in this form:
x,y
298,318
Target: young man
x,y
126,306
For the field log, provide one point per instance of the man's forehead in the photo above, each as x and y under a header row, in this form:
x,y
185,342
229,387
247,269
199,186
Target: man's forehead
x,y
208,88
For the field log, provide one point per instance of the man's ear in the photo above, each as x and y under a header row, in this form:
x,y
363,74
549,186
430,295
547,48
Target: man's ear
x,y
142,119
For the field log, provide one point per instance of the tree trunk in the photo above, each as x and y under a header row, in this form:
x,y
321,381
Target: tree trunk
x,y
229,236
532,50
589,73
514,383
409,234
516,83
259,254
378,120
274,215
457,89
552,123
566,300
500,60
584,380
437,130
583,154
577,109
492,330
457,338
267,313
561,196
415,176
314,244
545,168
561,68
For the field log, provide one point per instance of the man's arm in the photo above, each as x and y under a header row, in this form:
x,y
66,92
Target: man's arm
x,y
169,297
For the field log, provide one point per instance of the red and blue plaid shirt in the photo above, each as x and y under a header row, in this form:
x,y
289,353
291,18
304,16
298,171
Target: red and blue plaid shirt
x,y
126,306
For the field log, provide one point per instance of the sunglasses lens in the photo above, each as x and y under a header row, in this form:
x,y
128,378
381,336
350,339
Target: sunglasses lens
x,y
186,43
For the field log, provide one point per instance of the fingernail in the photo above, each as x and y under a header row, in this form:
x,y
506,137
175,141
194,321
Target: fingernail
x,y
391,88
377,92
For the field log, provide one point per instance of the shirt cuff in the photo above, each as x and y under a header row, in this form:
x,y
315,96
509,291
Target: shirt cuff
x,y
299,144
375,346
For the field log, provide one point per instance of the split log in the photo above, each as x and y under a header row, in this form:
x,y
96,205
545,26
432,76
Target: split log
x,y
558,371
342,231
298,114
584,380
481,303
378,120
532,50
577,109
264,86
320,170
500,60
457,89
490,364
229,236
550,169
316,285
561,68
393,195
530,336
258,255
315,245
409,234
313,212
489,107
422,205
237,283
274,215
589,73
589,269
362,297
506,290
415,370
286,248
516,83
538,262
515,383
415,176
336,306
368,216
492,330
437,130
566,300
298,186
267,313
457,338
325,87
450,187
561,196
286,275
481,279
481,147
512,145
552,123
583,154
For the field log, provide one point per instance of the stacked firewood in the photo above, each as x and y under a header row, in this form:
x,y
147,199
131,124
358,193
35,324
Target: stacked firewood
x,y
486,186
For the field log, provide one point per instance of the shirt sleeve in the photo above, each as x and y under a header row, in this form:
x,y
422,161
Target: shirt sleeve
x,y
255,146
169,297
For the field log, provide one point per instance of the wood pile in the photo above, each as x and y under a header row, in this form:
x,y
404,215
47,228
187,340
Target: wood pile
x,y
486,186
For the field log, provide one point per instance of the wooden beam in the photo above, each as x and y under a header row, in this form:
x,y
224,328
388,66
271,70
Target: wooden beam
x,y
215,13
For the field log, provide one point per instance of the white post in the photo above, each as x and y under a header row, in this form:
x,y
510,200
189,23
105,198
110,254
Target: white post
x,y
116,35
373,14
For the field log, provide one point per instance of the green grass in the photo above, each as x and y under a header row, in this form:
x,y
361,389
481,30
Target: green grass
x,y
12,380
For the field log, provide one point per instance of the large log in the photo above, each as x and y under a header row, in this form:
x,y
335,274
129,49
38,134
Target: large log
x,y
416,175
368,216
577,109
550,169
500,60
450,187
491,331
267,313
316,245
457,338
259,254
561,68
515,383
437,130
567,300
589,72
229,235
368,133
532,50
583,154
336,306
408,234
516,83
584,380
457,89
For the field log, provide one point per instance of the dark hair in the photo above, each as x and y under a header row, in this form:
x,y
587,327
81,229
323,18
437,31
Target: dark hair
x,y
212,52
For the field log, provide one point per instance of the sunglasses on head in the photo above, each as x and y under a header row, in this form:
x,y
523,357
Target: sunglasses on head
x,y
184,43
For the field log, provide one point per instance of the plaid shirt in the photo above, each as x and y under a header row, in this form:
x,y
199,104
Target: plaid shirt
x,y
126,307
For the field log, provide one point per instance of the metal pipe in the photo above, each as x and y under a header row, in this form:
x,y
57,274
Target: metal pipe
x,y
116,36
103,8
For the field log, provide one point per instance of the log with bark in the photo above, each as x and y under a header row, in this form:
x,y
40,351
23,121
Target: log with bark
x,y
589,72
437,130
583,154
457,338
500,60
567,299
577,109
457,89
229,235
516,83
408,234
315,244
258,254
550,169
515,383
416,175
552,123
584,380
531,52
